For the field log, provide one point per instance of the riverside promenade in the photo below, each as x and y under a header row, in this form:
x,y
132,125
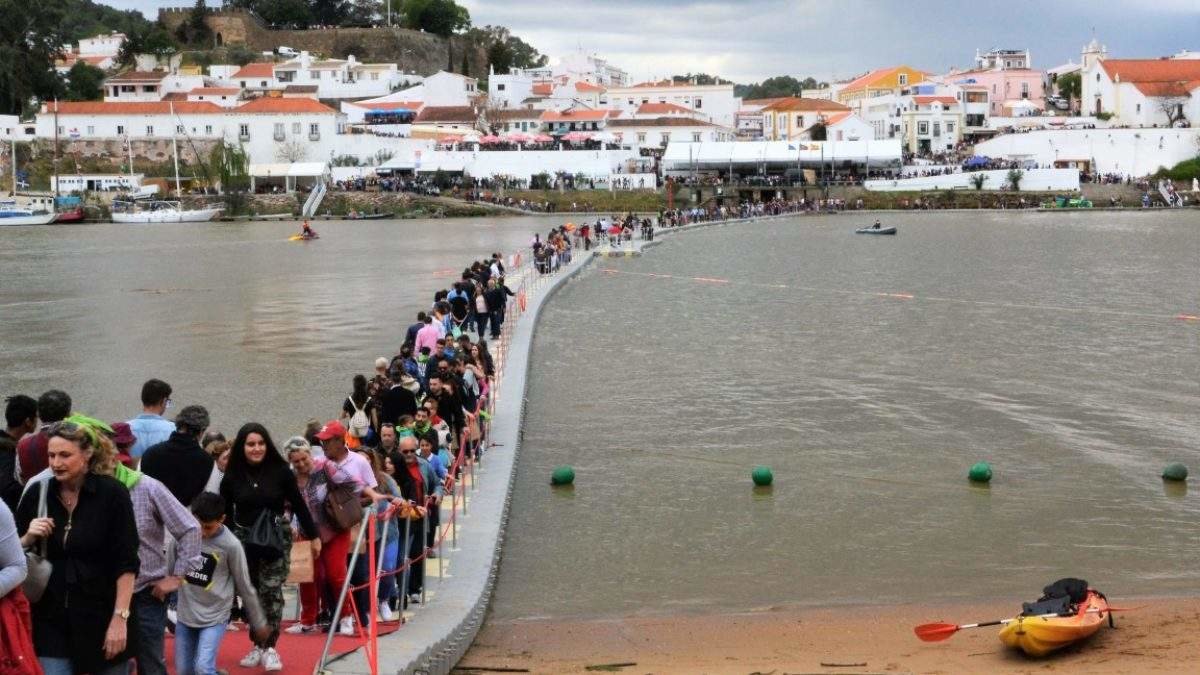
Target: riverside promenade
x,y
462,579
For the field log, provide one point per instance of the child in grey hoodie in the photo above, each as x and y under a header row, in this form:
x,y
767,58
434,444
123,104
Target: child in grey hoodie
x,y
206,595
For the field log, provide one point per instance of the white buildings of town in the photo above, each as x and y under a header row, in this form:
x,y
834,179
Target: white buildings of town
x,y
341,78
99,51
269,129
715,103
1141,92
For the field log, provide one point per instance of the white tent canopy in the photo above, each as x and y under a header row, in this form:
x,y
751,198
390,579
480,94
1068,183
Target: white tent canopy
x,y
288,174
684,156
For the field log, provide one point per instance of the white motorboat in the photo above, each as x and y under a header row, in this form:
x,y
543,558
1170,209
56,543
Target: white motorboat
x,y
161,212
11,214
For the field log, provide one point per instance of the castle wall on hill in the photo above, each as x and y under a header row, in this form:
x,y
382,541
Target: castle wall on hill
x,y
413,51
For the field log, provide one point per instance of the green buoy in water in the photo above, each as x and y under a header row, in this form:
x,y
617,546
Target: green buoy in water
x,y
563,475
981,472
762,476
1175,472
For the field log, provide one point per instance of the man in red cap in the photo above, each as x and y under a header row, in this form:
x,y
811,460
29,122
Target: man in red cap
x,y
340,466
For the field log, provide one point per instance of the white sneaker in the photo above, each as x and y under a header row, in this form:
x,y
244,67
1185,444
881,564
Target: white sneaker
x,y
299,629
386,613
346,626
252,659
271,660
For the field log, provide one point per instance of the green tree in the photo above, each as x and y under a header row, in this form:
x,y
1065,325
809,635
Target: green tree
x,y
818,132
153,39
231,165
505,49
1014,179
978,179
774,87
30,39
465,70
440,17
85,82
1070,86
284,12
701,79
240,54
329,12
500,58
195,31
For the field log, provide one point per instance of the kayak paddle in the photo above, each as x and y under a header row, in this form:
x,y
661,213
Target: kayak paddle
x,y
936,632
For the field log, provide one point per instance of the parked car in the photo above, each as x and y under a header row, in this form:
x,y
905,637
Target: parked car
x,y
1058,103
287,51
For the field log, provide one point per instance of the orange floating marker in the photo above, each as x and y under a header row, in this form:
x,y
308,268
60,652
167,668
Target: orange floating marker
x,y
1188,317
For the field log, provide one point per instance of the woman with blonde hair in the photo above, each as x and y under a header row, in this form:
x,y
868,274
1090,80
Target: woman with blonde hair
x,y
80,624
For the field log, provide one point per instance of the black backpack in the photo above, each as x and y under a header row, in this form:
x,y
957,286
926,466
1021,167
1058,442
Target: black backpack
x,y
1060,597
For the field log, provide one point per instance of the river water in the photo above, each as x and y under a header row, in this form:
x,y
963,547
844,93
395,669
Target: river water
x,y
233,315
1046,344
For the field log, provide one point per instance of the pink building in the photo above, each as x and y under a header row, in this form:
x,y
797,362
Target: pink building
x,y
1013,87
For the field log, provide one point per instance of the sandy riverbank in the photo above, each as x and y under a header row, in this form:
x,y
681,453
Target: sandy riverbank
x,y
1160,638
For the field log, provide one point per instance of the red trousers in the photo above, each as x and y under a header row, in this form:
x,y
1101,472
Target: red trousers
x,y
329,574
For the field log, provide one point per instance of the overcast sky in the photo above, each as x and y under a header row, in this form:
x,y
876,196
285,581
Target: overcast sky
x,y
748,40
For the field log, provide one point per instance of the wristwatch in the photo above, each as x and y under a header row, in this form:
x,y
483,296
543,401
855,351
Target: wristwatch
x,y
123,613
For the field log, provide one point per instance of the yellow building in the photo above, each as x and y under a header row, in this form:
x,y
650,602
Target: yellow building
x,y
785,119
879,83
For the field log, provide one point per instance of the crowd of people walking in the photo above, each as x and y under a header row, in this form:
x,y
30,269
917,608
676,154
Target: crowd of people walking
x,y
111,534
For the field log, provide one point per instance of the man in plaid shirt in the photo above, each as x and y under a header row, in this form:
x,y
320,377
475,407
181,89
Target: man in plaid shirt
x,y
158,514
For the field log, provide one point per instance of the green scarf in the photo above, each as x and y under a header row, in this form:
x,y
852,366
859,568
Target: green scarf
x,y
126,475
91,426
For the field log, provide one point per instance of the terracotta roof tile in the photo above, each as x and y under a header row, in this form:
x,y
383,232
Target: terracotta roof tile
x,y
928,100
543,89
215,91
135,108
256,70
587,86
790,104
662,109
1152,70
448,113
269,104
576,115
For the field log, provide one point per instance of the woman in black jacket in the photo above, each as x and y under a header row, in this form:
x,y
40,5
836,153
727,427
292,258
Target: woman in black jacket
x,y
81,623
258,484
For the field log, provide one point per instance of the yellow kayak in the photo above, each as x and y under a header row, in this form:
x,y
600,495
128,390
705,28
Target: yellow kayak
x,y
1040,635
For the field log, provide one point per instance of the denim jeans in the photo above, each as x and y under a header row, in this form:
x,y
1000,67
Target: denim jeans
x,y
151,622
196,649
57,666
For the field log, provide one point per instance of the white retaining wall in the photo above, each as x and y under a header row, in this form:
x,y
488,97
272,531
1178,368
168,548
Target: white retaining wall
x,y
1041,180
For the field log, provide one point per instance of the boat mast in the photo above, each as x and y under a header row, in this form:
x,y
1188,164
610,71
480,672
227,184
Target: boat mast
x,y
129,149
175,152
55,150
14,165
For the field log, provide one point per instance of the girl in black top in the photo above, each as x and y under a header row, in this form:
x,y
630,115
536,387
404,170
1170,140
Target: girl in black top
x,y
257,480
82,621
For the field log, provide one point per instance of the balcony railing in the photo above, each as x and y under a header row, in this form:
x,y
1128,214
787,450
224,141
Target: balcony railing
x,y
314,136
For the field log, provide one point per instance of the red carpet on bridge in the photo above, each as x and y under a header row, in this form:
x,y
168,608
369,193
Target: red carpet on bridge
x,y
299,653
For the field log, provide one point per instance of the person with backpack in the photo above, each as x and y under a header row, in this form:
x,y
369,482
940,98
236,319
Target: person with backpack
x,y
356,409
206,596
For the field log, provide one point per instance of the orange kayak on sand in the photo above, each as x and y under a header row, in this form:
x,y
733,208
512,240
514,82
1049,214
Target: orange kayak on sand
x,y
1040,635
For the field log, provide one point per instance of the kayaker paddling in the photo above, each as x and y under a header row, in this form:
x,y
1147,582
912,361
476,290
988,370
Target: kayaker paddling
x,y
307,231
